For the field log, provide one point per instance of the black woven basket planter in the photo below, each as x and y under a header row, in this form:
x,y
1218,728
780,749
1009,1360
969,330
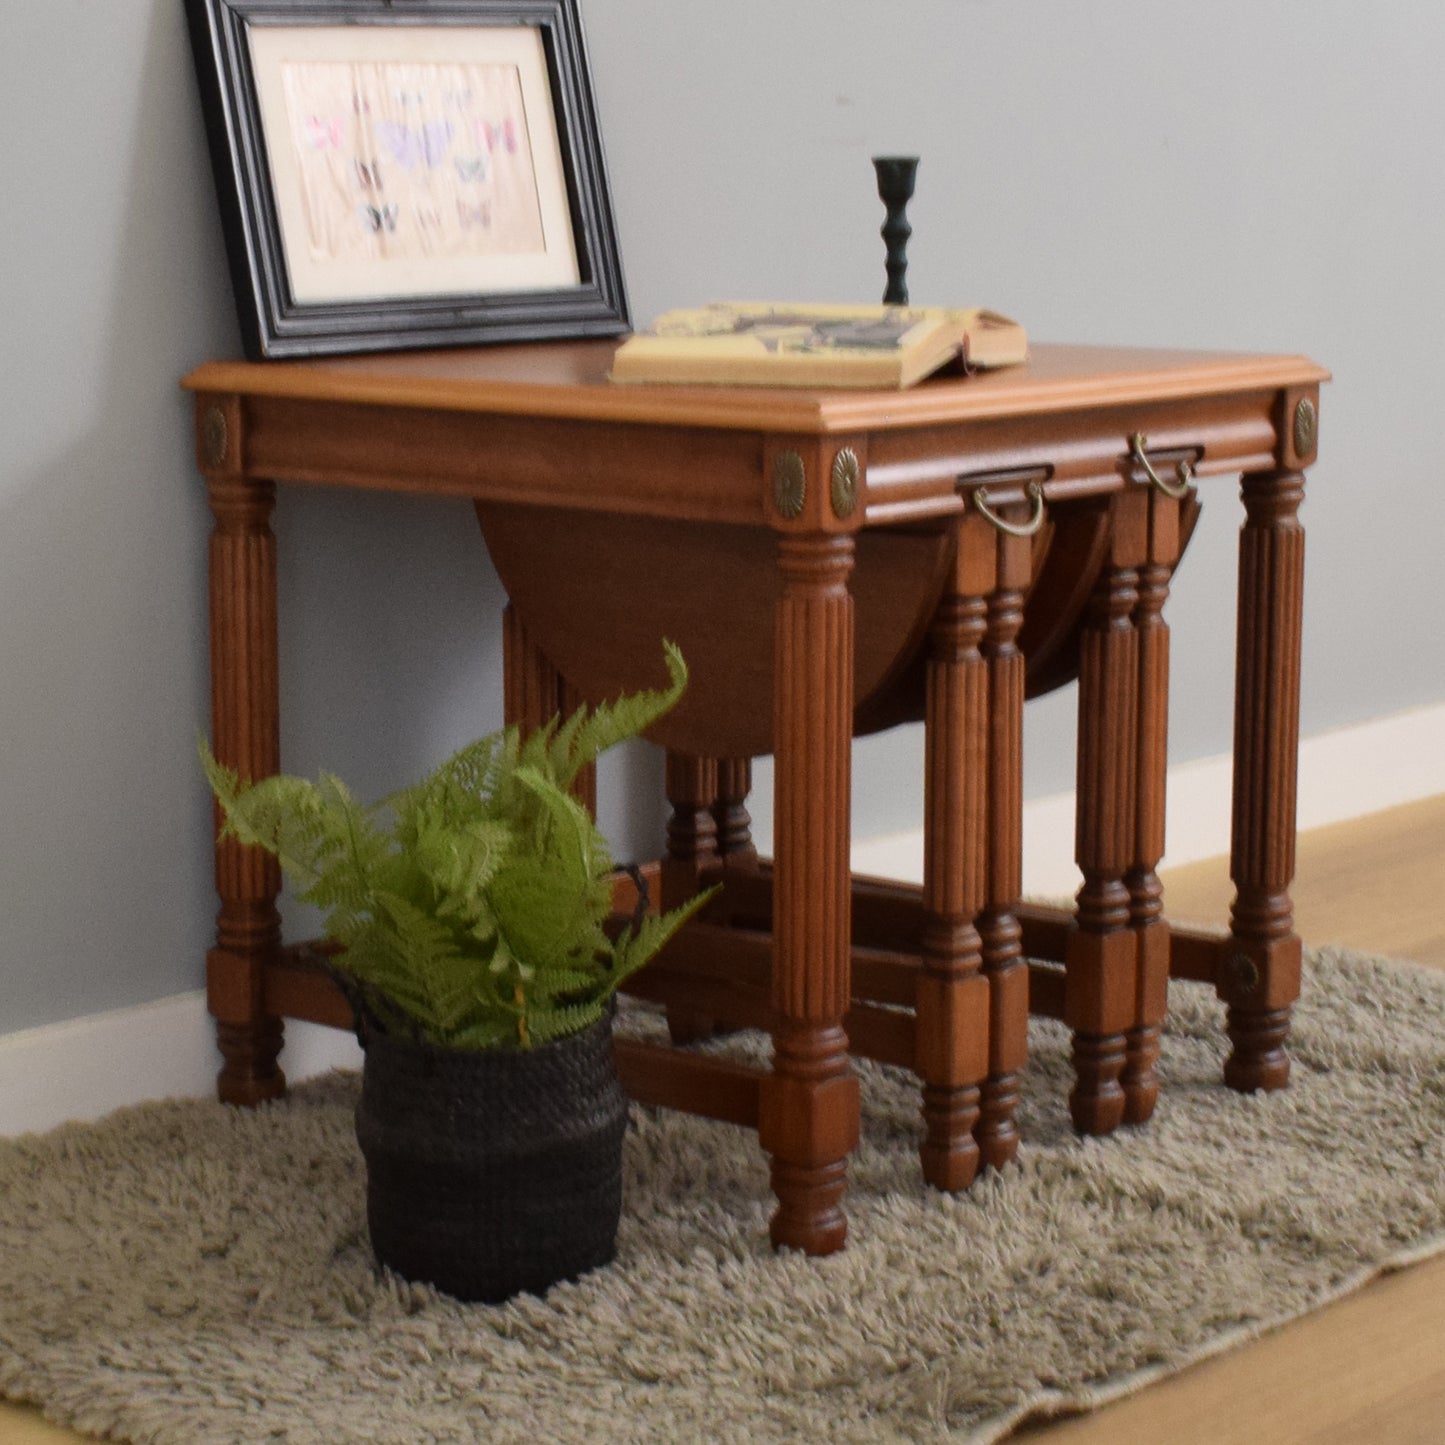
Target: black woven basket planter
x,y
492,1172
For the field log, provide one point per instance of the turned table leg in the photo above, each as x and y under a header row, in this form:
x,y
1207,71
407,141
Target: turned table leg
x,y
1100,982
1004,964
734,824
692,840
952,1007
1260,973
691,784
809,1103
533,692
1140,1079
245,730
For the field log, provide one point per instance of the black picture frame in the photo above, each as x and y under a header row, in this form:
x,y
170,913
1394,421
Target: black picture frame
x,y
276,321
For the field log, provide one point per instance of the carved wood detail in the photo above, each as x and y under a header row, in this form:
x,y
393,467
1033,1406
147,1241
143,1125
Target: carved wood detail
x,y
533,692
952,992
809,1104
691,785
1100,973
1259,979
246,736
734,824
1140,1079
1000,933
691,829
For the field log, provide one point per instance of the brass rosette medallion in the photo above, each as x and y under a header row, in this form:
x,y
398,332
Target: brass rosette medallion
x,y
1306,427
1245,972
790,484
214,439
846,472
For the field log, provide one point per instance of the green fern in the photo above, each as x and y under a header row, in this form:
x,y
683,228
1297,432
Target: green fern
x,y
471,907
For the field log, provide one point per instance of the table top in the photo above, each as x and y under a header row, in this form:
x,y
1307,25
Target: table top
x,y
569,379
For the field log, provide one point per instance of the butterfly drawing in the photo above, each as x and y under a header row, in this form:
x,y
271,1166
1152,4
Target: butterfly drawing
x,y
368,177
415,145
323,133
470,168
504,134
379,218
475,215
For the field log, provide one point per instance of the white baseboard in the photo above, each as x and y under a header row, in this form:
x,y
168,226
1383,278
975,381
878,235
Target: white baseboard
x,y
83,1068
1344,773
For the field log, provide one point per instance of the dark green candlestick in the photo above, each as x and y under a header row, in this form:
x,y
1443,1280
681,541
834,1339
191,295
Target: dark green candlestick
x,y
895,190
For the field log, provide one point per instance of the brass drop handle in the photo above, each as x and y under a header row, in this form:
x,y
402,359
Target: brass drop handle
x,y
1178,490
1035,493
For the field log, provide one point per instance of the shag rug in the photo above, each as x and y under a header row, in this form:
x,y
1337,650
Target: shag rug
x,y
185,1273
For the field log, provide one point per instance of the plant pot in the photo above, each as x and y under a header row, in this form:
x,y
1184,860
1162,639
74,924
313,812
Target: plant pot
x,y
493,1172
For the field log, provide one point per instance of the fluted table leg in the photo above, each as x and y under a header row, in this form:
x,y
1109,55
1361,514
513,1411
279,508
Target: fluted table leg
x,y
952,1047
1140,1079
533,692
1260,974
246,736
1100,984
1003,962
809,1103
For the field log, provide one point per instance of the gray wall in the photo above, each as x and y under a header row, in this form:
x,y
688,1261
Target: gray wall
x,y
1247,174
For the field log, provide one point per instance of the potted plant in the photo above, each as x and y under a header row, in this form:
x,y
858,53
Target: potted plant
x,y
470,918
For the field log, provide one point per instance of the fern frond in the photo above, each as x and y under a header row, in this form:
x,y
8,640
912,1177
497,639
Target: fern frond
x,y
562,745
460,862
625,717
544,1025
414,959
286,816
638,944
561,985
352,841
470,907
550,899
460,788
536,749
547,927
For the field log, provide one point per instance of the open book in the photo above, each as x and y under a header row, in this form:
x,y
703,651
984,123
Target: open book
x,y
769,344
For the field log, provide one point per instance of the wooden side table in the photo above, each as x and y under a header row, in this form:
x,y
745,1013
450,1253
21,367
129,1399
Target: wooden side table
x,y
823,560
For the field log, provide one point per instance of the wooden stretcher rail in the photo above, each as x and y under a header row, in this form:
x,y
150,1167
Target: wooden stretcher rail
x,y
698,1083
723,971
887,921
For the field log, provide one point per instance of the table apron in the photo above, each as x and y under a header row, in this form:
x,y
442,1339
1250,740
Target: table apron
x,y
927,472
717,475
657,471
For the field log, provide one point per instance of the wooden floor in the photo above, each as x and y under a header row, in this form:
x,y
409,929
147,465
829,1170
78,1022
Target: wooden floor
x,y
1368,1369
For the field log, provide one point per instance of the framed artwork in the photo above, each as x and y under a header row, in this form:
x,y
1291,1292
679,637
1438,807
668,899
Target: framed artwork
x,y
407,173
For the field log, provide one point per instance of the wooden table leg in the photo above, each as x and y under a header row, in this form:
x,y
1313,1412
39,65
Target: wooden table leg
x,y
1139,1079
691,846
246,736
691,784
952,1043
1100,984
1004,964
734,825
809,1103
533,692
1260,975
